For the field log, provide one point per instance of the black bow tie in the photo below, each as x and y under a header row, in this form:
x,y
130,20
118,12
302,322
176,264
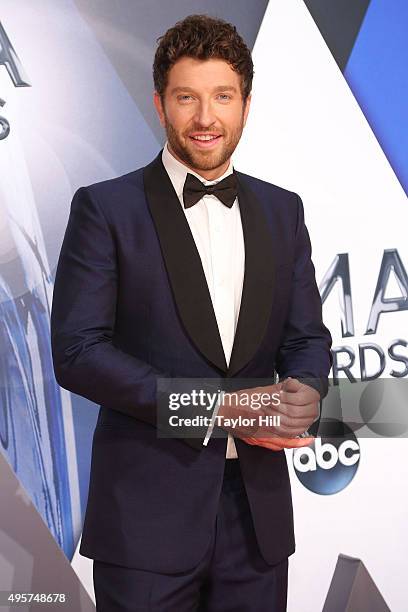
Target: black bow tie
x,y
194,190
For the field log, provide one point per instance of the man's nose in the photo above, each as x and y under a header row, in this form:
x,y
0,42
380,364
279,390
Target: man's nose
x,y
205,115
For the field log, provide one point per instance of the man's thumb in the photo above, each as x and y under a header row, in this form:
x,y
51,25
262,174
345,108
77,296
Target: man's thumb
x,y
291,385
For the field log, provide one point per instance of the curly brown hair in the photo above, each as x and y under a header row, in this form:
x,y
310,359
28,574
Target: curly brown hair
x,y
202,37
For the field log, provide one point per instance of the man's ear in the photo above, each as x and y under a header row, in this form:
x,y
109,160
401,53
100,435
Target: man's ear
x,y
159,108
246,109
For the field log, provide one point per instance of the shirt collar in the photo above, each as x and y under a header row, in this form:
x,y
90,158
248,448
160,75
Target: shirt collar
x,y
177,171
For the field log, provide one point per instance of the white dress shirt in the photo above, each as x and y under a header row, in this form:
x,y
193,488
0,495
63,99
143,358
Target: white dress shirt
x,y
217,232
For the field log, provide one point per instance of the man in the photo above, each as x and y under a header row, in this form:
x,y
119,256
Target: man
x,y
164,274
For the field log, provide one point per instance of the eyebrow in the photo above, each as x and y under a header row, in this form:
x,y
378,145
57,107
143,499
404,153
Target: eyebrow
x,y
218,88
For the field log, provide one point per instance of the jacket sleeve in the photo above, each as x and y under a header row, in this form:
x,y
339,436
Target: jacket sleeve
x,y
304,351
86,361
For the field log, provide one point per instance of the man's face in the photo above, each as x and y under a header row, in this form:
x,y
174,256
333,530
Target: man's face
x,y
203,98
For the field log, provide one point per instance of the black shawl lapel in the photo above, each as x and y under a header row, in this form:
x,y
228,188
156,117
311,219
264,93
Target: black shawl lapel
x,y
187,278
258,288
183,263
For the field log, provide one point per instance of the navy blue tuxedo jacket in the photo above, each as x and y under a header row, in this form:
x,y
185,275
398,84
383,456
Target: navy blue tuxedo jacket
x,y
131,304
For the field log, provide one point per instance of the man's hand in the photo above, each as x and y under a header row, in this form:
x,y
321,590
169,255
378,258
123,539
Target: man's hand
x,y
297,408
277,444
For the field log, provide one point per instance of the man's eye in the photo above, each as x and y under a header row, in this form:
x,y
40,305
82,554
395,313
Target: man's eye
x,y
225,96
185,97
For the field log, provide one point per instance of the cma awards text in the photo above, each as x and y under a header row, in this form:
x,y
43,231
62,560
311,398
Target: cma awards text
x,y
11,62
353,361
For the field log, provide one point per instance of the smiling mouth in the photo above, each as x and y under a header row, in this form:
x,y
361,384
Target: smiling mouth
x,y
206,141
205,136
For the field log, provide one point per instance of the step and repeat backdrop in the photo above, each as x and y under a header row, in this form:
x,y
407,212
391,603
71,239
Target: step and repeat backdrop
x,y
328,120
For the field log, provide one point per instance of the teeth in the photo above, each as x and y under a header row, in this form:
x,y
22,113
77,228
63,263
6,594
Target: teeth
x,y
204,137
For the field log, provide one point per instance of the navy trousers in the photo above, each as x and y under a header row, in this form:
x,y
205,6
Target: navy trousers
x,y
232,576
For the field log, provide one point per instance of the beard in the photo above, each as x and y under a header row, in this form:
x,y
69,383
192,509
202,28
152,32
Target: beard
x,y
203,160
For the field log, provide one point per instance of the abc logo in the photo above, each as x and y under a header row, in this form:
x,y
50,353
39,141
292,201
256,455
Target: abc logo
x,y
329,465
